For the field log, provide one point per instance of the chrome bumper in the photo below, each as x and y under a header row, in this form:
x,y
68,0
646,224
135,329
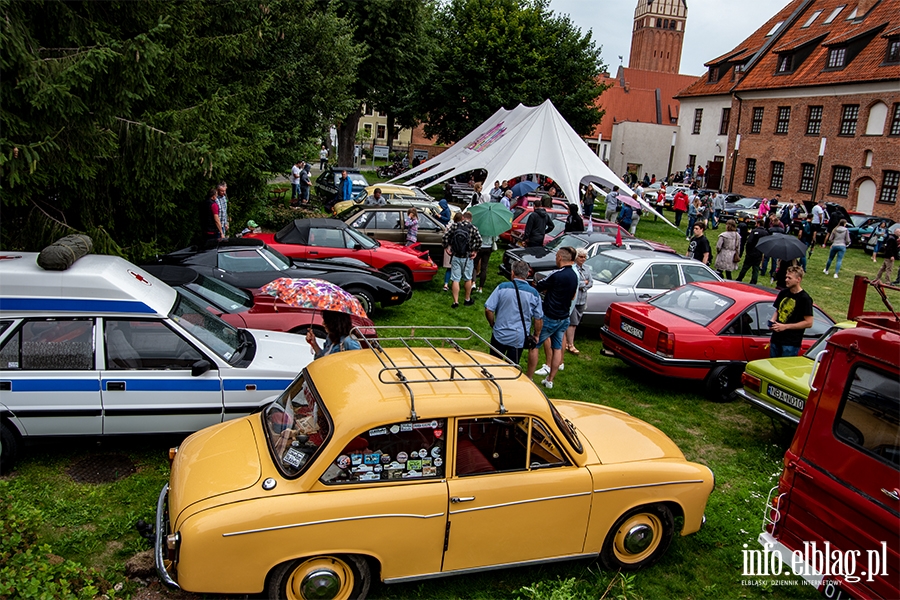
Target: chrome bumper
x,y
767,408
160,548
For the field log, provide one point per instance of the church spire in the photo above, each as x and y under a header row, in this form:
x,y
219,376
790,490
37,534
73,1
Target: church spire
x,y
658,35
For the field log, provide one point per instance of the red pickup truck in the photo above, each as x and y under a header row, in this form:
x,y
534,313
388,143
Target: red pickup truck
x,y
834,518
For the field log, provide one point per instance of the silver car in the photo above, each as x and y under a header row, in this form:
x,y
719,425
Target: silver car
x,y
637,275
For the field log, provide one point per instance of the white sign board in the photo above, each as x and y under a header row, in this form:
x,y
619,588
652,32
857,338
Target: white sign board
x,y
380,151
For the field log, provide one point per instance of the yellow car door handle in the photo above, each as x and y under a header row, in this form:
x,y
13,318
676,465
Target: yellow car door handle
x,y
458,499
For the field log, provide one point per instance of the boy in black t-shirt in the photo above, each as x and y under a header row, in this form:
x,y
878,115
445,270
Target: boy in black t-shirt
x,y
793,314
699,248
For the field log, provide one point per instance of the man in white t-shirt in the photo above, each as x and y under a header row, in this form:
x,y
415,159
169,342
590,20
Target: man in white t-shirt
x,y
819,220
295,181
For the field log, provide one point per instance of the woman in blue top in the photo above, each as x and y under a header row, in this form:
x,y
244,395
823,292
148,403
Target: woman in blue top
x,y
337,326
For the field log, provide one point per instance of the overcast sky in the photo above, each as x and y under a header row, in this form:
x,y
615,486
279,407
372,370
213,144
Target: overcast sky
x,y
713,26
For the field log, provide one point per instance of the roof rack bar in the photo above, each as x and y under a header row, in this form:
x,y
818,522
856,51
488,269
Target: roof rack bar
x,y
440,341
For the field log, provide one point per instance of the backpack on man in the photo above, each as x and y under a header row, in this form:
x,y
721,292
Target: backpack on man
x,y
459,240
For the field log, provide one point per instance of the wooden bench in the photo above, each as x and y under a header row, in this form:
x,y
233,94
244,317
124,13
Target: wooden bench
x,y
280,195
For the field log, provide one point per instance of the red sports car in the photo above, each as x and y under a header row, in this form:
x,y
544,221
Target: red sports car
x,y
330,238
244,309
705,331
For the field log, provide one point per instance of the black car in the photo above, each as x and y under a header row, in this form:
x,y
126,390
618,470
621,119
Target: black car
x,y
544,258
251,264
329,180
742,208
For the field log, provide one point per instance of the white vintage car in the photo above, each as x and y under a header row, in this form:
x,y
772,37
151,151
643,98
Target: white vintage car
x,y
105,348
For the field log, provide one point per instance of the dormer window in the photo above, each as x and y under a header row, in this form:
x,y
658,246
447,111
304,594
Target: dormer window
x,y
713,75
785,63
836,58
893,50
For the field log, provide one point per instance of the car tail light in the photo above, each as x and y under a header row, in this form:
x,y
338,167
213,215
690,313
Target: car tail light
x,y
665,344
607,319
751,382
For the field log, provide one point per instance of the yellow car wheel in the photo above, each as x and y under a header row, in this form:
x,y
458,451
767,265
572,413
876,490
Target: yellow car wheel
x,y
639,538
321,578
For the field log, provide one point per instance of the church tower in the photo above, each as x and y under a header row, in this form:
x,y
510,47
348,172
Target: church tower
x,y
658,35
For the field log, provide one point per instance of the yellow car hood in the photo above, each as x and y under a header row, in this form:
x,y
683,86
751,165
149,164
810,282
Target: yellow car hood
x,y
616,436
214,461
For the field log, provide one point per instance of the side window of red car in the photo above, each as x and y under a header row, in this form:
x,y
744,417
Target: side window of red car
x,y
868,417
395,451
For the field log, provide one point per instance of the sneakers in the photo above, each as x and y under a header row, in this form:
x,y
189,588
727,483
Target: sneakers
x,y
547,384
562,366
446,289
481,290
835,276
825,271
469,302
454,305
543,371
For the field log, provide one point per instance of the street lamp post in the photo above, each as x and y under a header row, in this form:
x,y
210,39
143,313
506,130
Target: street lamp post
x,y
599,145
671,154
734,157
815,187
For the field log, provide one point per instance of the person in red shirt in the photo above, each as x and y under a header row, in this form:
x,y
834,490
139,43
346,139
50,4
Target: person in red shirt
x,y
680,204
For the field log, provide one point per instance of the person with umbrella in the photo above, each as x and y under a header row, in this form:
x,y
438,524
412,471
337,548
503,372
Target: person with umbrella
x,y
337,327
490,219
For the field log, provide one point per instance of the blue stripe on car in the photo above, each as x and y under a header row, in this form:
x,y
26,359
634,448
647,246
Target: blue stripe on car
x,y
70,305
55,385
274,385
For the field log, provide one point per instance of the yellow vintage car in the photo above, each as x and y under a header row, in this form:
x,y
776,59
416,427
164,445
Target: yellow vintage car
x,y
413,459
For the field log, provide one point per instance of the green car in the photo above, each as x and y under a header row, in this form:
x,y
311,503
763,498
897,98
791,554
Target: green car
x,y
779,386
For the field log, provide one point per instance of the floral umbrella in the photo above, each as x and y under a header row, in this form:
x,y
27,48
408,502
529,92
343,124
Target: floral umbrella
x,y
314,293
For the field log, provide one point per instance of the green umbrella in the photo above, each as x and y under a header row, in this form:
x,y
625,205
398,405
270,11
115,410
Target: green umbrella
x,y
491,218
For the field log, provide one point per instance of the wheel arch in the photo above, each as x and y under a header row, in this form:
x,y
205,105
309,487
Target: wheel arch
x,y
373,562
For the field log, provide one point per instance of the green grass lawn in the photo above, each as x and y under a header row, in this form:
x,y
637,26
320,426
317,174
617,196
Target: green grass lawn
x,y
93,525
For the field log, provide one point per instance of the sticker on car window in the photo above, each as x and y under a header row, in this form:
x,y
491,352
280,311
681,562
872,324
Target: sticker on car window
x,y
294,457
720,302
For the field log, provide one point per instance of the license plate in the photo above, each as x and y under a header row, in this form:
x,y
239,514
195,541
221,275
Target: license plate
x,y
785,397
632,329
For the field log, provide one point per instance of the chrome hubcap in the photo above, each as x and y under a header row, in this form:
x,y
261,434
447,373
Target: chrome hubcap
x,y
638,539
321,584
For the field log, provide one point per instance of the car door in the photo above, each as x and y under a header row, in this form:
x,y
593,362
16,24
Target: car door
x,y
389,226
388,482
147,383
514,495
754,328
656,280
846,483
49,381
698,272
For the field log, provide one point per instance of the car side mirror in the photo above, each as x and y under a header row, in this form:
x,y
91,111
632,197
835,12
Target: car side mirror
x,y
357,246
200,367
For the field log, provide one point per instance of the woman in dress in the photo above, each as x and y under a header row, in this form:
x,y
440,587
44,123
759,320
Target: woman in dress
x,y
728,250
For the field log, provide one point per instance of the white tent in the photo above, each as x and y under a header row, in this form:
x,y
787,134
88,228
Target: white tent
x,y
512,143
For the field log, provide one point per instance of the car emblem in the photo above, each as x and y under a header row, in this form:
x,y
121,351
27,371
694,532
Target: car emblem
x,y
139,277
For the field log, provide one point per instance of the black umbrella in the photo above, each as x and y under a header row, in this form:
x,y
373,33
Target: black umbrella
x,y
781,246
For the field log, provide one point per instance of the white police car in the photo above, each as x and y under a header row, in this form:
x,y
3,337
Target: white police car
x,y
105,348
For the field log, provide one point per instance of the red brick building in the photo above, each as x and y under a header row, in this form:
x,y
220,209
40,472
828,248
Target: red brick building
x,y
819,76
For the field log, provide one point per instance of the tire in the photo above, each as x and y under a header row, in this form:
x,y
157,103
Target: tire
x,y
324,577
9,449
651,530
722,381
365,298
397,270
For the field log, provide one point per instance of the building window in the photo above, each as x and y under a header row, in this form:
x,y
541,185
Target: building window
x,y
810,20
836,57
895,121
713,75
840,181
698,118
777,175
756,122
834,14
807,174
889,187
381,131
368,112
750,176
893,50
814,121
849,116
367,131
785,63
726,117
784,119
692,160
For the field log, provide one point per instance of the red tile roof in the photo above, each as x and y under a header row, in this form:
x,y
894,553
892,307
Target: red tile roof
x,y
636,101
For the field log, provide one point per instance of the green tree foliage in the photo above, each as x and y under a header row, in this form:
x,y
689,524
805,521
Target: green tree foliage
x,y
494,53
116,117
398,43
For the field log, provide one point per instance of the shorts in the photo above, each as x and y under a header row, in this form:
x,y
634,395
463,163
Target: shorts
x,y
461,268
577,314
554,329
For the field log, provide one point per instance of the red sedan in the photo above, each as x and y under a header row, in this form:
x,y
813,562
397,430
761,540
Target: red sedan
x,y
704,331
256,310
330,238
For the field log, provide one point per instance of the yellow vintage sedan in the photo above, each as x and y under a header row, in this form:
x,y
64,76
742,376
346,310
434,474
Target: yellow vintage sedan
x,y
413,459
